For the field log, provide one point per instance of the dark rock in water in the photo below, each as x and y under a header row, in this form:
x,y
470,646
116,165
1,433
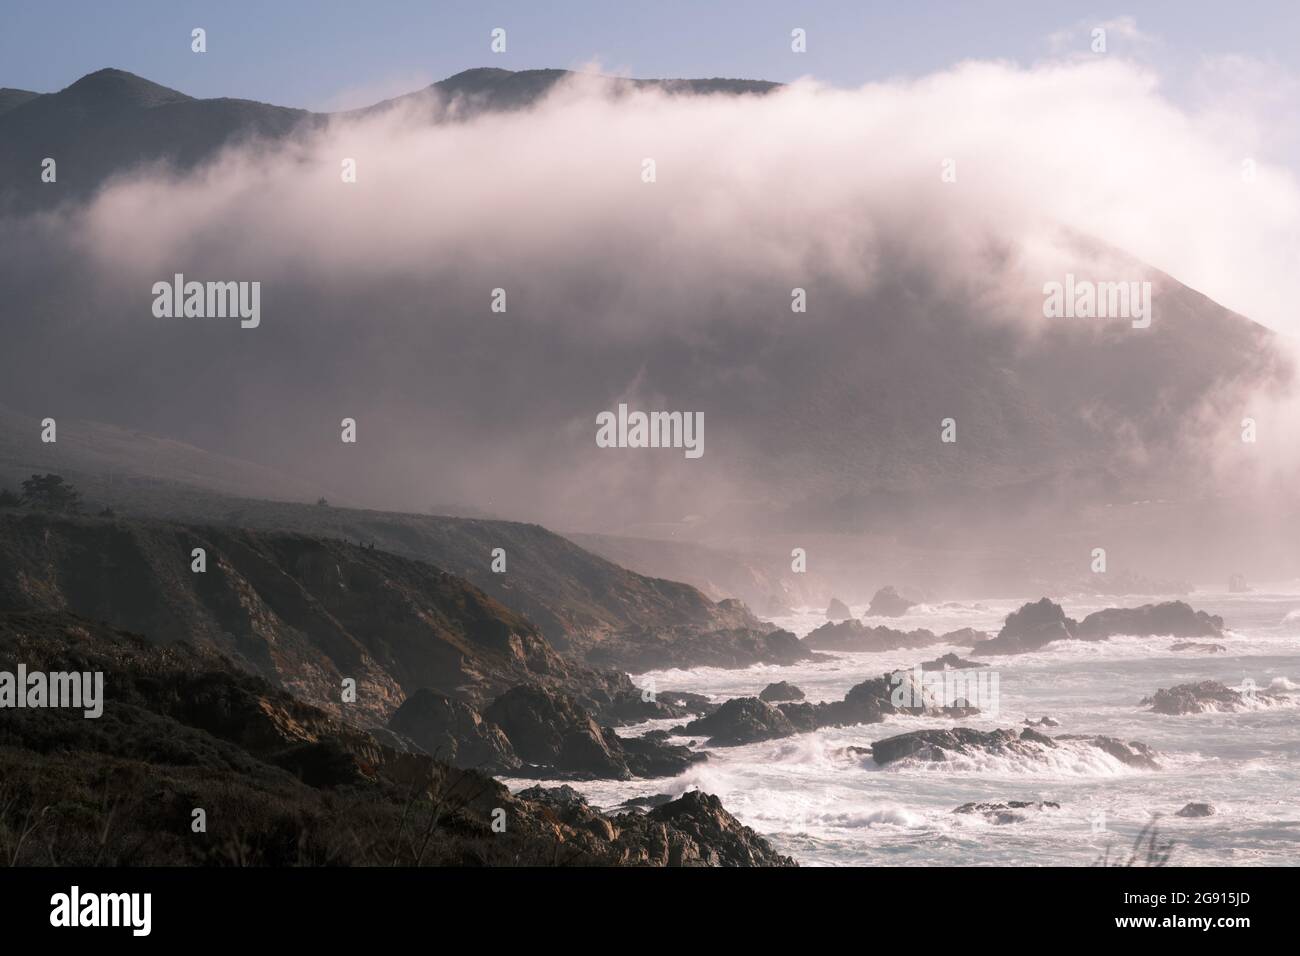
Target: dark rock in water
x,y
1134,753
1196,810
950,662
853,635
782,690
1202,648
964,637
1042,722
691,703
453,731
749,719
1029,628
741,720
887,602
704,834
1173,618
652,756
838,610
1009,812
1038,624
1208,695
941,745
562,796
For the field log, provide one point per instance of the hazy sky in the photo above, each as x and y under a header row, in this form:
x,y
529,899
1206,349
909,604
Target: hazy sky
x,y
321,54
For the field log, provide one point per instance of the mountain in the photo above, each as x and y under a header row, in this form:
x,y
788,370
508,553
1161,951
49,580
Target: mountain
x,y
111,121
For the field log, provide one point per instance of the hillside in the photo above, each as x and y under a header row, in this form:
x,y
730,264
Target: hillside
x,y
303,612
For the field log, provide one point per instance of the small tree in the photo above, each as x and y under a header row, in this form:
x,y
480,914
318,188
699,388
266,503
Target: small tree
x,y
51,493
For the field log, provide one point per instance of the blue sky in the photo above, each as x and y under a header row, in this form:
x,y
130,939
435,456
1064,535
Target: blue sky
x,y
328,54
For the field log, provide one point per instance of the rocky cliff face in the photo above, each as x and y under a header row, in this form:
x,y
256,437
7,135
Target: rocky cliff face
x,y
305,613
279,782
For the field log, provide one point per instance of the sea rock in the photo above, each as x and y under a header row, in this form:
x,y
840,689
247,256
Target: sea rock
x,y
741,720
1173,618
942,745
838,610
887,602
1196,810
455,732
1208,695
650,755
853,635
1134,753
1042,722
1009,812
1029,628
1202,648
950,662
781,690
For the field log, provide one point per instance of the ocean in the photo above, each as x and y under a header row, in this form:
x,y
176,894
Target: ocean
x,y
826,806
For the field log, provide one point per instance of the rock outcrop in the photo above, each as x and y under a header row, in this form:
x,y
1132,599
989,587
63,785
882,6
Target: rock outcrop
x,y
943,745
454,732
887,602
183,727
780,691
1205,696
853,635
838,610
1036,625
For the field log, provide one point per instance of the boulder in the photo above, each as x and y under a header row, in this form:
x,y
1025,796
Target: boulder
x,y
1196,810
455,732
550,729
781,690
741,720
1042,722
887,602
